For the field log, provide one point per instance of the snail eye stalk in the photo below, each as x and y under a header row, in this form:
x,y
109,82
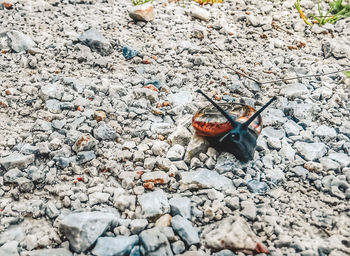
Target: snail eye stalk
x,y
223,112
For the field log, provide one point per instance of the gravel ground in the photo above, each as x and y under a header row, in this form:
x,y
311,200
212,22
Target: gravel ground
x,y
98,155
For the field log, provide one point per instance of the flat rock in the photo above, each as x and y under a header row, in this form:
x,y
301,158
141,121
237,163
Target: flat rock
x,y
105,132
84,143
310,151
341,158
180,206
176,152
46,252
185,230
325,131
205,178
197,145
9,249
199,13
336,47
19,42
294,90
16,160
96,41
138,225
154,242
115,246
143,12
180,136
180,98
83,228
154,204
157,177
232,233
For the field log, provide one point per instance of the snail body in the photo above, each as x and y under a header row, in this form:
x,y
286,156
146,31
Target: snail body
x,y
231,127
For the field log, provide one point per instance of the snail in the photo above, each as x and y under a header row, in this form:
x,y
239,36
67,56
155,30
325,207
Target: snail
x,y
230,127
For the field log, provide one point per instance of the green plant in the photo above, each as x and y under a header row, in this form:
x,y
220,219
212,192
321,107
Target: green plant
x,y
347,73
336,12
302,15
139,2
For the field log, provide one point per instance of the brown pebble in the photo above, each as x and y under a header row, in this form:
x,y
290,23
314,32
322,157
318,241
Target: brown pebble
x,y
100,115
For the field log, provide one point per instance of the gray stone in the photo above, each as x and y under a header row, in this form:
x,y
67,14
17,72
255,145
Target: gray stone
x,y
253,20
24,185
46,252
274,143
180,98
287,151
176,152
51,210
292,128
300,172
160,148
248,210
83,228
205,178
146,93
136,251
43,148
225,163
328,164
35,174
232,203
302,111
85,143
42,126
257,186
28,149
197,145
138,225
232,233
180,206
199,13
325,131
336,47
115,246
311,151
341,158
16,160
274,175
157,177
123,202
154,204
178,247
224,252
105,132
53,105
294,90
51,91
154,242
185,230
149,163
98,198
85,156
20,42
96,41
13,233
273,133
9,249
143,12
12,175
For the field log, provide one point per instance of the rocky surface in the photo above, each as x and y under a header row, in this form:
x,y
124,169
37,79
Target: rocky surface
x,y
98,155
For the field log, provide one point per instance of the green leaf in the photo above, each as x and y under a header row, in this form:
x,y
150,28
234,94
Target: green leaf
x,y
347,73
